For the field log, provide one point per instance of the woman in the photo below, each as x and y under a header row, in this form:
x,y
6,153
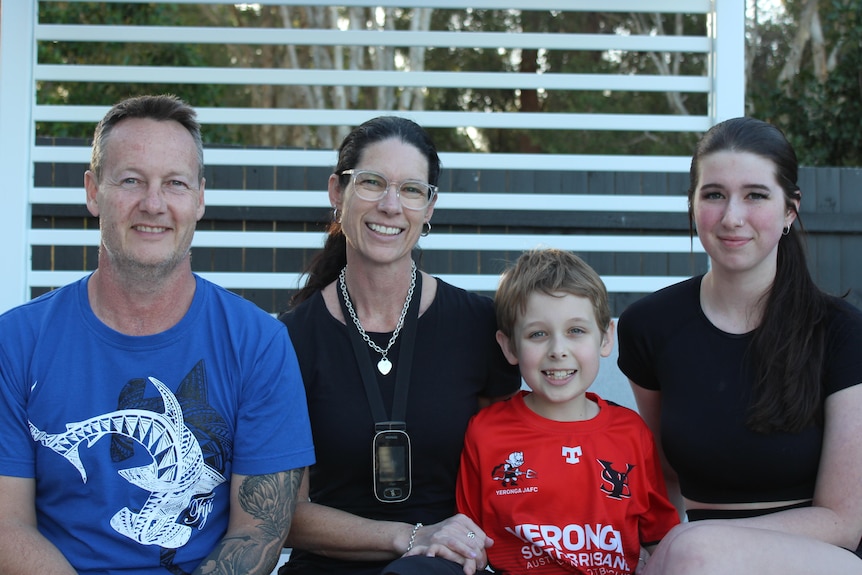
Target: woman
x,y
380,490
749,378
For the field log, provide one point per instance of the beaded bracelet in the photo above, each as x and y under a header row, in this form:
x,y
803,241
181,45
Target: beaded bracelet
x,y
413,537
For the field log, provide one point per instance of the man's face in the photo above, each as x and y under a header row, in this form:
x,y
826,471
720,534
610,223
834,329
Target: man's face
x,y
148,199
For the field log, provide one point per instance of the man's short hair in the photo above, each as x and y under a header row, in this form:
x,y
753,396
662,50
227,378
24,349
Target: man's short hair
x,y
161,108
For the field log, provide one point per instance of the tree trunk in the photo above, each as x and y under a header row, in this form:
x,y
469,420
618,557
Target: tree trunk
x,y
797,48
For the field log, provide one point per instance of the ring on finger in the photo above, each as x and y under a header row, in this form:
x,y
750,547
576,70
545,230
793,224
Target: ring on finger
x,y
471,535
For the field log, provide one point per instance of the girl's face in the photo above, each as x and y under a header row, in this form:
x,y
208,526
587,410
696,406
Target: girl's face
x,y
740,212
383,231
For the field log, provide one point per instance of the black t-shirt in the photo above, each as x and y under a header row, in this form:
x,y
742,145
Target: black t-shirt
x,y
666,343
456,361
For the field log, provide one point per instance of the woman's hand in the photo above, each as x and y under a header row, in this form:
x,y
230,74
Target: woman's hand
x,y
457,539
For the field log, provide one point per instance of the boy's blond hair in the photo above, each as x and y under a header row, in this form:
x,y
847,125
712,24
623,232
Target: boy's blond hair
x,y
549,271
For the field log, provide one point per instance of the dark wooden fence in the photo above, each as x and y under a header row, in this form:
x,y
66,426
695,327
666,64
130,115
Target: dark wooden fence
x,y
831,213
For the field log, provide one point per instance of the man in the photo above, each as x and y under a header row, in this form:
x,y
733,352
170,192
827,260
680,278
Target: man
x,y
150,421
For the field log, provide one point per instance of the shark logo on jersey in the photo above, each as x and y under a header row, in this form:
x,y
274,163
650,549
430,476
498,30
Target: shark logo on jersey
x,y
618,480
508,472
179,479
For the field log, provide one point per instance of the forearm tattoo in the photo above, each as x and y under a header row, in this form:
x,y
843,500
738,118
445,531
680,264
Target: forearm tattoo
x,y
271,500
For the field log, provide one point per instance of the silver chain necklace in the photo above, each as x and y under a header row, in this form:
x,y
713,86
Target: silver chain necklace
x,y
384,366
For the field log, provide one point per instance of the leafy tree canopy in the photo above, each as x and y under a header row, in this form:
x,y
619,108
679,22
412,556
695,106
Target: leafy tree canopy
x,y
804,73
805,76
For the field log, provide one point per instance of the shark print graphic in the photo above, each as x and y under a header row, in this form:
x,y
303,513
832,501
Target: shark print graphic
x,y
179,480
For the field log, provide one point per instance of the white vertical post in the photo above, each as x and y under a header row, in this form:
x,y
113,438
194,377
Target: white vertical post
x,y
727,32
17,96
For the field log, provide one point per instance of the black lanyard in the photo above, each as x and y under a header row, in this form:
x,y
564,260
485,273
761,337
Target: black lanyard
x,y
405,361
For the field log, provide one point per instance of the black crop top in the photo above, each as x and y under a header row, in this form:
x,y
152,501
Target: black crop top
x,y
666,343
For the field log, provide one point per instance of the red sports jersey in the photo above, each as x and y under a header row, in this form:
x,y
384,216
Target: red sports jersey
x,y
563,497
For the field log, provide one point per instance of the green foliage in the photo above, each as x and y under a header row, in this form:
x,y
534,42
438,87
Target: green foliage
x,y
127,54
821,117
560,101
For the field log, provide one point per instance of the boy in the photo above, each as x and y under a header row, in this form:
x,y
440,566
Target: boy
x,y
560,479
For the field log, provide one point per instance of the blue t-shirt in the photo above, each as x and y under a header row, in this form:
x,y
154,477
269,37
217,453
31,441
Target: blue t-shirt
x,y
133,439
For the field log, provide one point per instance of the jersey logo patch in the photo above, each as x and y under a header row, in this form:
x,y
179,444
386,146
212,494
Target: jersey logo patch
x,y
615,483
572,454
508,472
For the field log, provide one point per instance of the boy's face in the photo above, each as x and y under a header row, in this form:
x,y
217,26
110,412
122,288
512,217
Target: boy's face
x,y
558,344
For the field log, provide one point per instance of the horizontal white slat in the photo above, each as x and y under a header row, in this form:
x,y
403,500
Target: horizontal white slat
x,y
397,38
428,119
576,243
213,156
560,202
614,284
262,280
669,6
240,198
451,160
435,241
445,200
376,78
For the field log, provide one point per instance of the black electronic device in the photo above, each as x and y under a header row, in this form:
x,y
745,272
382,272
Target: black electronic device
x,y
392,465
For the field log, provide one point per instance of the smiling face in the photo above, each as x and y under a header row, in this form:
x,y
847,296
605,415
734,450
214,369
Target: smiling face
x,y
740,212
558,345
148,199
382,231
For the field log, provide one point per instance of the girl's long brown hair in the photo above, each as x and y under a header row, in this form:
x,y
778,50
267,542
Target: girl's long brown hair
x,y
787,349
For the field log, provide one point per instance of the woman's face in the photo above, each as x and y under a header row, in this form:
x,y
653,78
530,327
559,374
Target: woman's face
x,y
740,212
383,231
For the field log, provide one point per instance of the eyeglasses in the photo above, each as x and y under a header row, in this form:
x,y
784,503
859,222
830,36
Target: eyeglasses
x,y
372,187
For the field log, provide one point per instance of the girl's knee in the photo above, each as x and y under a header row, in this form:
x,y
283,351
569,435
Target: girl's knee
x,y
692,548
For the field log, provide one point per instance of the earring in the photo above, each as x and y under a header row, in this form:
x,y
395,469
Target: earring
x,y
336,215
425,232
785,231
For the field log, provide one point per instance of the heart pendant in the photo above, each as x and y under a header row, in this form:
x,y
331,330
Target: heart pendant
x,y
384,366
